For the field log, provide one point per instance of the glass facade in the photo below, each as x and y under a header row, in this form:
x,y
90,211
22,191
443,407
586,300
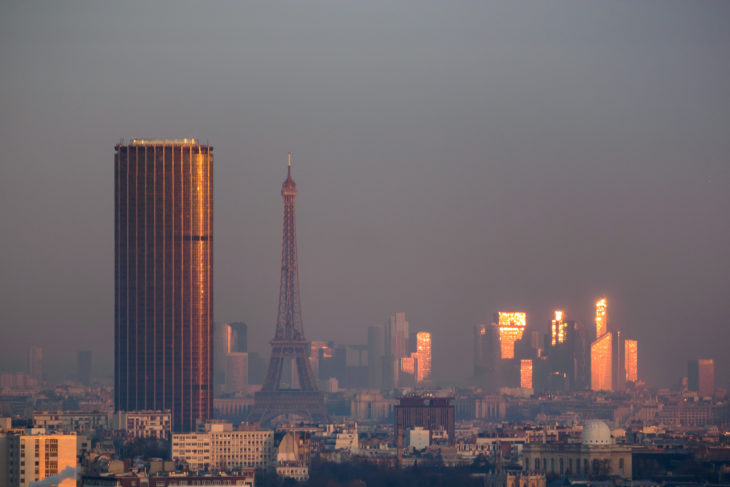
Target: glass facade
x,y
163,278
601,363
631,356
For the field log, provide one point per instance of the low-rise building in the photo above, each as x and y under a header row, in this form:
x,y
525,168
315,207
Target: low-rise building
x,y
70,421
144,424
222,448
596,454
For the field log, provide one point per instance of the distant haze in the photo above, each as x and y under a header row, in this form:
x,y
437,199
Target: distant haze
x,y
452,158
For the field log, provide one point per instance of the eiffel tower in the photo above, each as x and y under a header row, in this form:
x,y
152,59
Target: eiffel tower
x,y
272,400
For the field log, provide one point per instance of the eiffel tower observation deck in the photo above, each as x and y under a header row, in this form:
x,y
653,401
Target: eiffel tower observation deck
x,y
274,403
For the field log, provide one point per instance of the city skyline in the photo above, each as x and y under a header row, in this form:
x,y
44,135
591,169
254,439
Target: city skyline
x,y
496,165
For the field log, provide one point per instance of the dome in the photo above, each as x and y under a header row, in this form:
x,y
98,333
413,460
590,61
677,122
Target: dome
x,y
596,433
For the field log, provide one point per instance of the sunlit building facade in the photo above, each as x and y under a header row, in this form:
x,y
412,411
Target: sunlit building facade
x,y
510,326
526,374
558,328
423,343
601,317
601,363
34,457
163,276
631,357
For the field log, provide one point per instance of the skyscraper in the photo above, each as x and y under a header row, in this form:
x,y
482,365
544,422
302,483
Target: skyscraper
x,y
558,328
608,372
376,350
236,337
35,363
631,356
601,317
511,326
526,374
601,366
423,344
701,376
486,345
163,276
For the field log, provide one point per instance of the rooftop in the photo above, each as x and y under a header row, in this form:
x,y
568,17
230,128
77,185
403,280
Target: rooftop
x,y
139,141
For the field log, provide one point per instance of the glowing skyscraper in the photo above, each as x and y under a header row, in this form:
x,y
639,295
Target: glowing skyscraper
x,y
526,374
601,364
423,343
601,317
510,327
559,328
631,356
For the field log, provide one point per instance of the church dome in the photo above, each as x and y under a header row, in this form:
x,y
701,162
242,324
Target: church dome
x,y
596,432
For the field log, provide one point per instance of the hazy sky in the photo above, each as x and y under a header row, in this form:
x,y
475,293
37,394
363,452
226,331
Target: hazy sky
x,y
452,159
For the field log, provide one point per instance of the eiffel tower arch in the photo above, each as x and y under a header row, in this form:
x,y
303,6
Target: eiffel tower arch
x,y
272,401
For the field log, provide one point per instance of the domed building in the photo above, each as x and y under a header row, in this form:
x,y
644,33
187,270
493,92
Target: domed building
x,y
597,455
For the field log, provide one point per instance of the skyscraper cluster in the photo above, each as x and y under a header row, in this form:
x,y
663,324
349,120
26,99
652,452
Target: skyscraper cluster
x,y
570,357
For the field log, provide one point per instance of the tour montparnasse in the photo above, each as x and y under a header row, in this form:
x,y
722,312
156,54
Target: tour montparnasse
x,y
289,343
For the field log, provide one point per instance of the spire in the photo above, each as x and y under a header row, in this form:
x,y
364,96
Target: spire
x,y
288,170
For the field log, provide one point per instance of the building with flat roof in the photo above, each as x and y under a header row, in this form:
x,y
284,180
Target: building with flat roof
x,y
163,278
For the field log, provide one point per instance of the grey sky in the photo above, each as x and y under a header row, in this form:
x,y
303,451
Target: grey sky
x,y
452,158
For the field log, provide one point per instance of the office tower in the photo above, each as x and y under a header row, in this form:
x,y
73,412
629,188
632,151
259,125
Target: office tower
x,y
376,351
35,363
601,367
423,344
289,343
558,329
236,339
236,379
526,374
608,362
396,347
486,346
701,377
601,317
510,326
83,361
398,335
631,357
408,365
34,457
163,235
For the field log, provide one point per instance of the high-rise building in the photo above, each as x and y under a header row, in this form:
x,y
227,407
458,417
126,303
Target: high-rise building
x,y
236,379
511,326
486,350
398,335
558,328
236,339
35,363
163,276
526,374
376,350
608,372
601,366
83,362
631,356
423,343
701,376
601,317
